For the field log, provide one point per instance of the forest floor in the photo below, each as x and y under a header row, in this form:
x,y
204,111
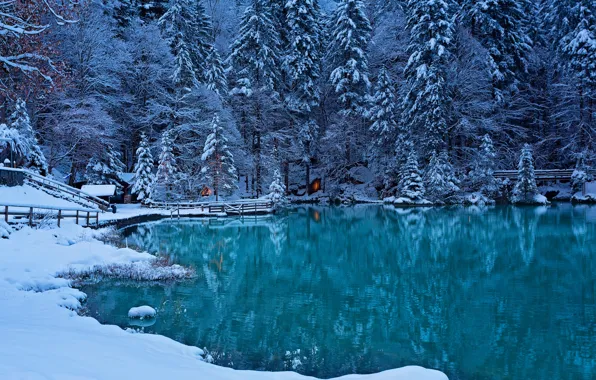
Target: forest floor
x,y
43,336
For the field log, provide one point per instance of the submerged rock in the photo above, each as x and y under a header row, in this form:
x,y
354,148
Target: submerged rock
x,y
142,312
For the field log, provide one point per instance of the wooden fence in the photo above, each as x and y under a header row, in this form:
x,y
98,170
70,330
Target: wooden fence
x,y
36,213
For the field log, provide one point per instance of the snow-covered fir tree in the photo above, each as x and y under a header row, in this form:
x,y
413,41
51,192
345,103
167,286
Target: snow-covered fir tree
x,y
425,104
350,34
581,174
382,111
143,170
277,190
411,186
105,168
481,177
441,184
525,190
219,170
188,28
255,62
31,155
501,27
215,76
166,179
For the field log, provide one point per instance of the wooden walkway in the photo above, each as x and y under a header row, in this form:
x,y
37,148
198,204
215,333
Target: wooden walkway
x,y
241,207
541,175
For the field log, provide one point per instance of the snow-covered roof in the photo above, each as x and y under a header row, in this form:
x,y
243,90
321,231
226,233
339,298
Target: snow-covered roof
x,y
99,190
127,177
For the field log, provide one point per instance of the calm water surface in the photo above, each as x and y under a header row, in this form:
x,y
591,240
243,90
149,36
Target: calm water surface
x,y
497,293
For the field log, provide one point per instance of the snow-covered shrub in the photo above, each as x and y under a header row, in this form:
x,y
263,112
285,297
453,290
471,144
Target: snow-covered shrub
x,y
481,178
441,184
581,174
5,230
277,190
411,187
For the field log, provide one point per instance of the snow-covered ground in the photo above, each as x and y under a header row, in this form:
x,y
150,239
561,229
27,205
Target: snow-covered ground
x,y
43,337
27,195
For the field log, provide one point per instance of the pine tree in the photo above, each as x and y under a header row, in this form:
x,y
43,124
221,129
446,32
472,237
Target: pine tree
x,y
581,51
440,180
481,177
188,28
277,190
303,56
581,174
32,156
105,168
410,185
382,111
124,12
220,169
143,170
425,104
215,75
350,34
166,178
256,67
525,190
500,25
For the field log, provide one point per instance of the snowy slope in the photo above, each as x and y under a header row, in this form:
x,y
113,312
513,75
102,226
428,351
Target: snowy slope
x,y
31,196
42,337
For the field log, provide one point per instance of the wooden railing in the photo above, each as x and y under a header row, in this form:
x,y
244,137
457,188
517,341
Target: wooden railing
x,y
36,213
67,192
541,175
240,207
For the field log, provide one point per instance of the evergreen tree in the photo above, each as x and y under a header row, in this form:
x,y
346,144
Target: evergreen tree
x,y
410,185
124,12
581,174
143,170
500,25
220,169
581,51
277,190
350,34
166,178
481,177
303,56
31,155
215,75
525,190
425,104
189,29
256,69
382,111
440,180
105,168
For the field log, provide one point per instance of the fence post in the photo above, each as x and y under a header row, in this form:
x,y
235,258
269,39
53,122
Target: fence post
x,y
77,217
87,218
30,216
97,219
59,216
6,214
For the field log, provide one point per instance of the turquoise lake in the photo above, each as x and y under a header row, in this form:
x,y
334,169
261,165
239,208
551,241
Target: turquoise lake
x,y
478,293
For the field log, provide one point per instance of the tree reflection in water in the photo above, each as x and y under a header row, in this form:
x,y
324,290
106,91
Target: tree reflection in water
x,y
489,293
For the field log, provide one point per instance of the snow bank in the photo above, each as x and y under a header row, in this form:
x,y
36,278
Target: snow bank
x,y
5,230
29,195
404,201
142,312
43,337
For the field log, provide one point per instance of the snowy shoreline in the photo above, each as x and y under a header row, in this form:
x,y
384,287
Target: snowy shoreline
x,y
43,335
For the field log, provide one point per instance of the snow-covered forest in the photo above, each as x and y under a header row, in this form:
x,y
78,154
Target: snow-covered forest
x,y
429,96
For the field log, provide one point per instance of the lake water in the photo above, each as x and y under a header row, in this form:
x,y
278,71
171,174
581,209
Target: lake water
x,y
496,293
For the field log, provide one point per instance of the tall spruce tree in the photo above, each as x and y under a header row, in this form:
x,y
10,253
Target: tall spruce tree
x,y
32,156
425,104
219,169
382,111
440,181
481,178
501,27
105,168
143,170
525,190
411,185
166,179
255,61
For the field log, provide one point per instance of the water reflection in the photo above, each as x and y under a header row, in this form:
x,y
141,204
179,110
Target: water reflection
x,y
480,293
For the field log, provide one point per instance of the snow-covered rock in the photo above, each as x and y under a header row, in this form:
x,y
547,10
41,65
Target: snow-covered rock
x,y
584,198
5,230
532,199
405,201
142,312
477,199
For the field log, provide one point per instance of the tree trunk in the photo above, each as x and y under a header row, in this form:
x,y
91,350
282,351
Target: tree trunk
x,y
307,178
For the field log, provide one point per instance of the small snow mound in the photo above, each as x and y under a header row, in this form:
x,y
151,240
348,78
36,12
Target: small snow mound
x,y
142,312
5,230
